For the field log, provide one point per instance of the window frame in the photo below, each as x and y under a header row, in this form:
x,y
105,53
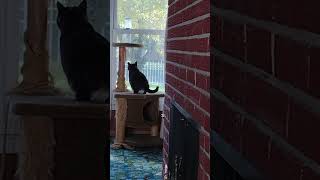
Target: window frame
x,y
116,30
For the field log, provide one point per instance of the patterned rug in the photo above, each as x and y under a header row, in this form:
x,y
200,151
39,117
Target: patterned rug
x,y
139,164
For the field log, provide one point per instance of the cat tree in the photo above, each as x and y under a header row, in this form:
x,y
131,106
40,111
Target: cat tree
x,y
129,108
56,129
121,103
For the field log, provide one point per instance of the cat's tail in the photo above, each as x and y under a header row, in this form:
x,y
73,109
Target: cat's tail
x,y
153,91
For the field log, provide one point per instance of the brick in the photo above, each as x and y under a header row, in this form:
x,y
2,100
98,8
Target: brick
x,y
205,102
217,113
201,63
178,6
302,127
206,122
259,48
193,94
166,136
170,2
197,10
206,177
309,174
193,61
179,99
181,73
282,12
201,118
267,103
240,6
169,68
207,143
233,40
200,173
191,76
283,165
174,82
231,129
166,120
216,73
309,20
202,81
262,10
228,124
202,140
190,108
204,161
193,45
177,19
314,73
196,28
229,81
291,63
217,31
255,145
166,146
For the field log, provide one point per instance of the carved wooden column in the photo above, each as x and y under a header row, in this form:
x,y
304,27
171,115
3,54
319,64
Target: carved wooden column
x,y
121,103
35,70
36,157
121,84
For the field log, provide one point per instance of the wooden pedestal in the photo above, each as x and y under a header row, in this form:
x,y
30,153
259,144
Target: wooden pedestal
x,y
80,136
129,114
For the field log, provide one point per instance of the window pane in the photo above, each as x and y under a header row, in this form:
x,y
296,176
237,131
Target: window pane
x,y
150,58
142,14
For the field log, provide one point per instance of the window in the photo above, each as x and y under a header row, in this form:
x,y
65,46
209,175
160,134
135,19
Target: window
x,y
142,22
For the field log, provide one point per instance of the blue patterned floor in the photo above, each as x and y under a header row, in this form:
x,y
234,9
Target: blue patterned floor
x,y
145,164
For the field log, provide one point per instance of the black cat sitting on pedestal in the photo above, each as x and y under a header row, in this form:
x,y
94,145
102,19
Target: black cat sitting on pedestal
x,y
138,80
85,54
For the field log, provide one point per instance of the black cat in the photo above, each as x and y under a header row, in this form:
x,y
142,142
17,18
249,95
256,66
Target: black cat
x,y
138,80
85,54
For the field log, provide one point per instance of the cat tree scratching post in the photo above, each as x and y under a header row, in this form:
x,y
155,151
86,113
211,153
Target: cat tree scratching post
x,y
121,104
36,158
35,70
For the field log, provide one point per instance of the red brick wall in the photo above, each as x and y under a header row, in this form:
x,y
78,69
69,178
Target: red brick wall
x,y
188,70
280,38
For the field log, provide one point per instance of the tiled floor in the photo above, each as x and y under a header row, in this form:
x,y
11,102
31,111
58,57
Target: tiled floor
x,y
142,164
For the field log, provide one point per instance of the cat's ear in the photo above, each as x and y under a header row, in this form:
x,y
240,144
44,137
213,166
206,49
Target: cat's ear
x,y
136,63
129,63
60,6
83,5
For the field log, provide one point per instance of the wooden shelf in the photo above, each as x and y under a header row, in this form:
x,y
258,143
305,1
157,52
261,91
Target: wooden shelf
x,y
80,132
57,107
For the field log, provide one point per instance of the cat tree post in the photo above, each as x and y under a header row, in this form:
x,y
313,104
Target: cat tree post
x,y
36,156
121,84
121,103
35,69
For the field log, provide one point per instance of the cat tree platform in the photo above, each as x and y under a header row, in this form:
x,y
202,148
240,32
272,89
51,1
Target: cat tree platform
x,y
131,116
